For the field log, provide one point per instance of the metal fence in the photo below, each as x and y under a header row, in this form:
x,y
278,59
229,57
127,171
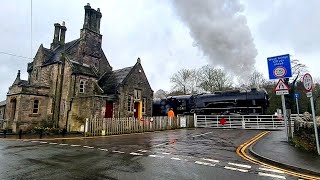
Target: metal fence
x,y
241,121
111,126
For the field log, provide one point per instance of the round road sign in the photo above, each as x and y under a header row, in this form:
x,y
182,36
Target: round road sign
x,y
307,82
279,71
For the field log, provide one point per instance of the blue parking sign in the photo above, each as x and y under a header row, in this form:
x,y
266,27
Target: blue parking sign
x,y
279,67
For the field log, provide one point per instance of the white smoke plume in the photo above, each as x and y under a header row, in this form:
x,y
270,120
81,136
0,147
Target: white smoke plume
x,y
221,33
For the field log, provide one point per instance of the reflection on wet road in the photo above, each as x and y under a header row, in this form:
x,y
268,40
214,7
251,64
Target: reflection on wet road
x,y
179,154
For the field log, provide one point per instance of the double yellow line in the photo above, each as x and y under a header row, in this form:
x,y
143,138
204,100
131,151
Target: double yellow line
x,y
241,151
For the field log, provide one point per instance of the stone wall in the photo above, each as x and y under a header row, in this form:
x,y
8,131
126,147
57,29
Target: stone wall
x,y
304,136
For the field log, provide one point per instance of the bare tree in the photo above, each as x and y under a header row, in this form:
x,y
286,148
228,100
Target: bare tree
x,y
256,79
183,81
213,79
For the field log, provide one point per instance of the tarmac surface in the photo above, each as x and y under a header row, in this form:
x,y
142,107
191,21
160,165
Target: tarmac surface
x,y
274,146
177,154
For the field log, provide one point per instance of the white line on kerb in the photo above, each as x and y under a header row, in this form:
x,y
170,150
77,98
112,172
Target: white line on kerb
x,y
271,175
88,147
43,142
164,153
239,165
63,144
202,134
136,154
272,170
118,152
53,143
236,169
75,145
211,160
152,155
178,159
35,141
204,163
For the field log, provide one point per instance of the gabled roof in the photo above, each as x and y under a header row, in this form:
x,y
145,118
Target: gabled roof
x,y
121,74
53,56
112,79
3,103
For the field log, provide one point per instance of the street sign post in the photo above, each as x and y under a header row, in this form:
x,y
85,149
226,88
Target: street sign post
x,y
282,88
308,86
297,96
279,67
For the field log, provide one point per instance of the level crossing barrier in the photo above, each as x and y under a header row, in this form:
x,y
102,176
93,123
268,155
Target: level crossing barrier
x,y
241,121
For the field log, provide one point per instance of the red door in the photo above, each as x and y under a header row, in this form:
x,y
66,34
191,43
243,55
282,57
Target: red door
x,y
136,109
109,110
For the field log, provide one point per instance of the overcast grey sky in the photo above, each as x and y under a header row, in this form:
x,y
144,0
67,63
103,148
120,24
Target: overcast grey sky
x,y
164,36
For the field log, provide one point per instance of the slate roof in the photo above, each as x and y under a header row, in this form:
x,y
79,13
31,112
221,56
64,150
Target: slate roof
x,y
111,80
53,56
3,103
82,69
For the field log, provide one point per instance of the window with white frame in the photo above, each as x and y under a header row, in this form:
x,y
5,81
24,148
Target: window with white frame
x,y
137,94
35,106
144,102
81,87
129,104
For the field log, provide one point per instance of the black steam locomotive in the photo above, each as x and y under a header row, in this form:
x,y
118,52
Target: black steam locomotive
x,y
223,102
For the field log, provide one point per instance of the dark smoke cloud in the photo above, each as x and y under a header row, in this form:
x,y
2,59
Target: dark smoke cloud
x,y
220,32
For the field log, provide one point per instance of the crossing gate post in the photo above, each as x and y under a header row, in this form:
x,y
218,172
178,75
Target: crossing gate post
x,y
243,123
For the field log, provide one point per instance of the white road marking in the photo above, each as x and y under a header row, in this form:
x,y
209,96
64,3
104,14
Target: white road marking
x,y
35,141
271,175
136,154
118,152
240,165
103,149
152,155
165,153
272,170
202,134
159,144
88,147
204,163
75,145
43,142
63,144
236,169
178,159
53,143
211,160
144,151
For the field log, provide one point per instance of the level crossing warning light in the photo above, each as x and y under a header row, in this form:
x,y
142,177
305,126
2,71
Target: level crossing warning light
x,y
223,121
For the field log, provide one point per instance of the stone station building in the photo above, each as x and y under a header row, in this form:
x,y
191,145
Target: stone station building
x,y
72,81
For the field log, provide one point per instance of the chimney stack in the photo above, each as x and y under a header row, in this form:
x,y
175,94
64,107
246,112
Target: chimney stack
x,y
56,36
63,33
92,18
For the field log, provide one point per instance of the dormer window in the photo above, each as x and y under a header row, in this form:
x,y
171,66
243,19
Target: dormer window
x,y
81,87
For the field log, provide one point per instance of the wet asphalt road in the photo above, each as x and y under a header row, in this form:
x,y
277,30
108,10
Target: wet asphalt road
x,y
180,154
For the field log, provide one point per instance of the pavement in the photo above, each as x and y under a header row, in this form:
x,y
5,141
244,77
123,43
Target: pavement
x,y
274,149
177,154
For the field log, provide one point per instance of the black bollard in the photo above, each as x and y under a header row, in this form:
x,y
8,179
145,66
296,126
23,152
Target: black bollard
x,y
41,133
64,131
20,133
5,133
